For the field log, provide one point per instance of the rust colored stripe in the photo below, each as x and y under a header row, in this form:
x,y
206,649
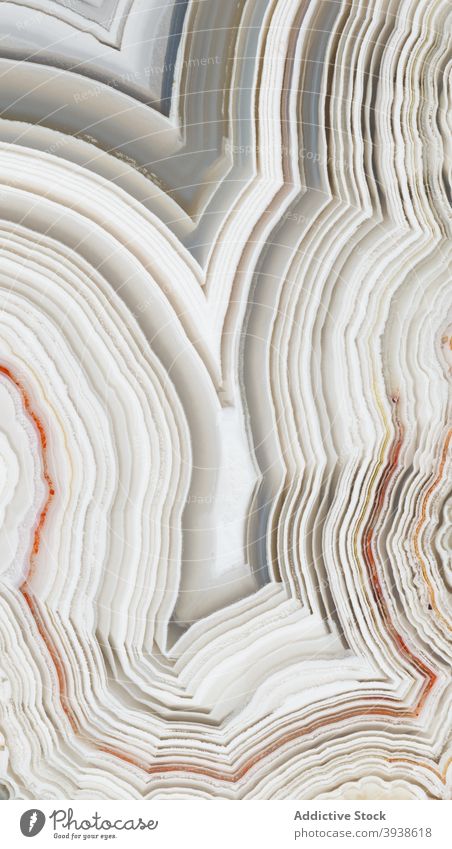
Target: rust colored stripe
x,y
50,487
384,708
24,588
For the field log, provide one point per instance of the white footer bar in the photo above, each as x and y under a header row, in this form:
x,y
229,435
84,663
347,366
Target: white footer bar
x,y
197,824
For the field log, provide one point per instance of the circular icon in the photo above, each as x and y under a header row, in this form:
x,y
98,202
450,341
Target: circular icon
x,y
32,822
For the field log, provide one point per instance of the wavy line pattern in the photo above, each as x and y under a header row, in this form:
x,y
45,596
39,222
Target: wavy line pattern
x,y
225,419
